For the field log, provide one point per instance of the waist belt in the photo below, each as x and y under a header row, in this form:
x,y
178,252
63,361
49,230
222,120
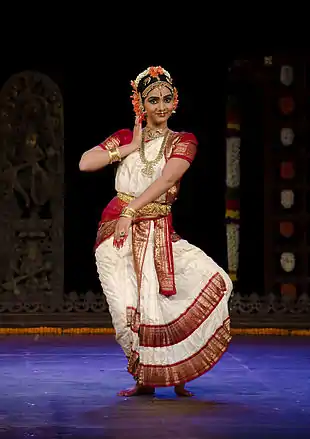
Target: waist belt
x,y
154,209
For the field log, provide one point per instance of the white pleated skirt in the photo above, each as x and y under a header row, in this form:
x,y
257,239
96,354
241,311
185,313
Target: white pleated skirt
x,y
168,340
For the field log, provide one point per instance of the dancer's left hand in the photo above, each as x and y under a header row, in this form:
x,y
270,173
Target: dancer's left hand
x,y
121,232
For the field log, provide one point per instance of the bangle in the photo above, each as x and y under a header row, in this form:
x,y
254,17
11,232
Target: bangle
x,y
114,154
128,212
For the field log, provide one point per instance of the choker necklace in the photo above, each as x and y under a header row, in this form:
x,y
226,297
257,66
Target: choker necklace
x,y
149,165
152,134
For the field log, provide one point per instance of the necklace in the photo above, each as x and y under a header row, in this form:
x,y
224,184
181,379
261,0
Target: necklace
x,y
149,165
152,134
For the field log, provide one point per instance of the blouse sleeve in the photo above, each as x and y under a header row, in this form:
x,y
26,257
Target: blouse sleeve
x,y
120,138
185,148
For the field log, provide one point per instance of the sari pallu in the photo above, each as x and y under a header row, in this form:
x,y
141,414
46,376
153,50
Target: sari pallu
x,y
164,235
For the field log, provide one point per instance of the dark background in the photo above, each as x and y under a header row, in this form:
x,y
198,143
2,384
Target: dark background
x,y
97,103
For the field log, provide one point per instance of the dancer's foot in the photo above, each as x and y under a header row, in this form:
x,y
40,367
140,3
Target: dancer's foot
x,y
181,391
137,391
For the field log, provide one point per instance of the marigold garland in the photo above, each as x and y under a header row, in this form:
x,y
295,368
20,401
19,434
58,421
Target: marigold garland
x,y
155,71
45,330
137,102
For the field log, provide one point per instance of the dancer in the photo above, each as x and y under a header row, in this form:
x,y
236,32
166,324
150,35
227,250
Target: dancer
x,y
168,300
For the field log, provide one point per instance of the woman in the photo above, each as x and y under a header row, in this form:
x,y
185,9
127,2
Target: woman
x,y
168,300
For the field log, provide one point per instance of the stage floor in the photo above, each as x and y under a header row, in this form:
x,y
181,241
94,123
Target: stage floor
x,y
65,387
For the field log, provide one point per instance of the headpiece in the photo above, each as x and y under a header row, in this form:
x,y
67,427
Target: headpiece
x,y
146,81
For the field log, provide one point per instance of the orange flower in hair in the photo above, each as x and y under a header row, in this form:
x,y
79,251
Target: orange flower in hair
x,y
155,71
136,102
175,98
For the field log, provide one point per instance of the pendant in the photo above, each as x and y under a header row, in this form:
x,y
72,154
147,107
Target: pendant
x,y
148,170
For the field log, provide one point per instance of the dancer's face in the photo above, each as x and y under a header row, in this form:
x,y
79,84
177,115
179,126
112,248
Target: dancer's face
x,y
158,105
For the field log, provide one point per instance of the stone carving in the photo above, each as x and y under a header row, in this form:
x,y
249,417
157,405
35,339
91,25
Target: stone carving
x,y
32,201
277,310
31,191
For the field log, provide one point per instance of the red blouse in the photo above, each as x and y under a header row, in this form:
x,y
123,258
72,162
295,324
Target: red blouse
x,y
184,145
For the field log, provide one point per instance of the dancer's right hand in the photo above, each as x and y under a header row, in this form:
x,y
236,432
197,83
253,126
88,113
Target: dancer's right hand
x,y
137,134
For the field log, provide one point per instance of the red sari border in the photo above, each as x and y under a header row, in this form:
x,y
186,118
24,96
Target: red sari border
x,y
186,370
189,321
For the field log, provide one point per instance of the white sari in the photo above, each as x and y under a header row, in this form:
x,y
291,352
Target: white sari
x,y
168,340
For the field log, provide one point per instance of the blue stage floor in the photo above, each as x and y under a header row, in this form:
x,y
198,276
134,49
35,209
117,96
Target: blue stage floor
x,y
65,387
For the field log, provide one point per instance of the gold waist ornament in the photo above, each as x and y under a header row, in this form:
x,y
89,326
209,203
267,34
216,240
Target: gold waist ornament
x,y
150,210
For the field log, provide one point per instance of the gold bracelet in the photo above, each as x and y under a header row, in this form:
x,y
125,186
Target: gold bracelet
x,y
128,212
115,155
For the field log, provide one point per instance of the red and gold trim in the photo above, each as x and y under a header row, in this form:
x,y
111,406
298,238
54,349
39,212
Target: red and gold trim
x,y
140,238
185,148
52,330
185,370
119,138
163,233
182,327
163,255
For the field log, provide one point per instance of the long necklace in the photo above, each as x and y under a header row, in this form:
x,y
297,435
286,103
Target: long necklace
x,y
149,165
